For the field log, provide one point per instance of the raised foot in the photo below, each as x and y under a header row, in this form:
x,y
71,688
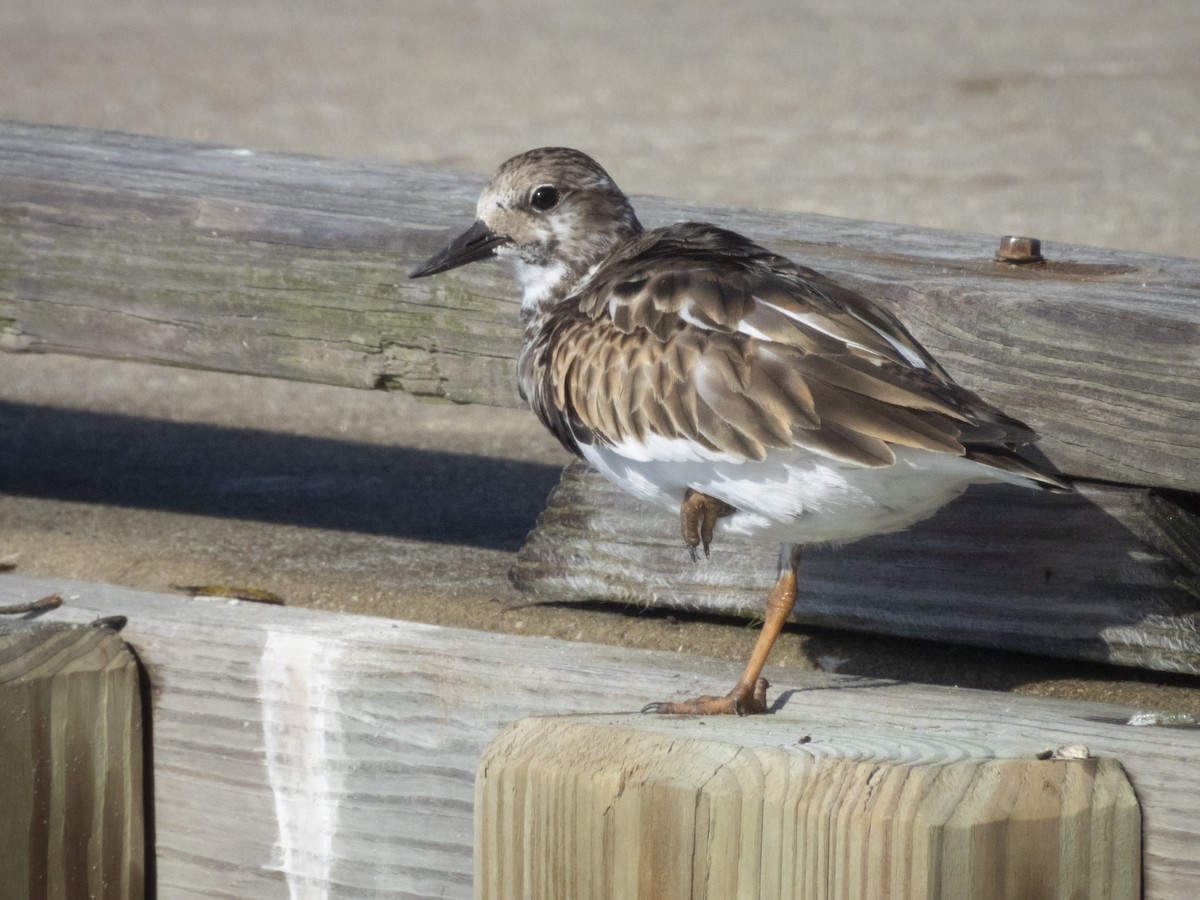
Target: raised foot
x,y
741,701
698,516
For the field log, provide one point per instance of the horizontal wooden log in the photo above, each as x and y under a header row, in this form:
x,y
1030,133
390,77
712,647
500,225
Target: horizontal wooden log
x,y
578,808
221,258
1109,574
72,822
297,750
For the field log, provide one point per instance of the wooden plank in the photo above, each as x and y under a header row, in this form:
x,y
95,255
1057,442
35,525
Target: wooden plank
x,y
1109,574
581,808
221,258
301,750
71,753
227,259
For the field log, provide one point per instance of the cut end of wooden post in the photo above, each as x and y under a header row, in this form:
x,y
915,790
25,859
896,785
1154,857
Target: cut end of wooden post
x,y
646,808
71,751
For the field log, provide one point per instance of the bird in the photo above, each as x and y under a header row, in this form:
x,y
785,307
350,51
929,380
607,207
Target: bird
x,y
712,377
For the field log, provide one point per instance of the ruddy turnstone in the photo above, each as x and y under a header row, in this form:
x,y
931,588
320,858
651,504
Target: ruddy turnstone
x,y
710,376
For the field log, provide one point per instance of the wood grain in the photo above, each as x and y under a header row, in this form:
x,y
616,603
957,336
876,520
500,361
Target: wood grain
x,y
587,808
71,752
376,727
1101,575
222,258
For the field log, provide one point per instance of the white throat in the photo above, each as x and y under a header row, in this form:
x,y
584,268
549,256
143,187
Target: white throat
x,y
539,283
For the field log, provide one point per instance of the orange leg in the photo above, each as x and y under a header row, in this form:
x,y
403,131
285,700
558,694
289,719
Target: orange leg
x,y
749,695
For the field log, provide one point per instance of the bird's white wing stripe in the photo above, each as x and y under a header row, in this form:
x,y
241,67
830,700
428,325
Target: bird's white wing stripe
x,y
913,359
817,323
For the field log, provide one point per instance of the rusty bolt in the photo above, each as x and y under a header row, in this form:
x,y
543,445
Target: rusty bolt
x,y
1019,250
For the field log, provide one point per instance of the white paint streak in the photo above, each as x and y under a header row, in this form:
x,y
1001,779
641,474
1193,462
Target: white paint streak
x,y
300,715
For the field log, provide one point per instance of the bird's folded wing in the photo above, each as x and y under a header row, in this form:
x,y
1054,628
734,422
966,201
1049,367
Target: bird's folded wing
x,y
750,352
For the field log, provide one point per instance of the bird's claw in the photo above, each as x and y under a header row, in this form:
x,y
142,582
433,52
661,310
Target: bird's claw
x,y
698,516
741,701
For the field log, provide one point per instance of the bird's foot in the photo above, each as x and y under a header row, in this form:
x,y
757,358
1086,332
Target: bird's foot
x,y
743,700
698,516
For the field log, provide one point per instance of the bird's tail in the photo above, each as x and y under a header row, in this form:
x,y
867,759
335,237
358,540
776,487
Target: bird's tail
x,y
1007,460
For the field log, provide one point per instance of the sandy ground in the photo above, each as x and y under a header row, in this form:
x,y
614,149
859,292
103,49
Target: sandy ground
x,y
1061,120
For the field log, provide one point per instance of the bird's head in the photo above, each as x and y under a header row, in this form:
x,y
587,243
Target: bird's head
x,y
554,213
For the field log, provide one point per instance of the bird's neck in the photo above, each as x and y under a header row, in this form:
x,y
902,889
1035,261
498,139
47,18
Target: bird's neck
x,y
548,282
544,285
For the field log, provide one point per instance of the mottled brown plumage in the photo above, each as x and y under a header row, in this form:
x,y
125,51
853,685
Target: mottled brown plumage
x,y
789,358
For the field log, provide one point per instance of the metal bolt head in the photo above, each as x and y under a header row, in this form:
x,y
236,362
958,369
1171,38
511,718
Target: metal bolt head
x,y
1019,250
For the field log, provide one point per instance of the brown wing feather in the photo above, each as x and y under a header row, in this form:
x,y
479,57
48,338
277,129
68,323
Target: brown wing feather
x,y
695,332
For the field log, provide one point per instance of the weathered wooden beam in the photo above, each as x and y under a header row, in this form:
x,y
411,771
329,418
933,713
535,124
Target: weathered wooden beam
x,y
71,802
587,808
1110,574
301,750
220,258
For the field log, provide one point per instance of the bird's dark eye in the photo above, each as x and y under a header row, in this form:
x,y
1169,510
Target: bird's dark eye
x,y
544,198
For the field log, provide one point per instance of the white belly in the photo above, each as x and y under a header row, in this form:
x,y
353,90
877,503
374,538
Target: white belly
x,y
795,496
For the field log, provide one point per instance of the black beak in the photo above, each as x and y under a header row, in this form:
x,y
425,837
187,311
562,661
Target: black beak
x,y
477,242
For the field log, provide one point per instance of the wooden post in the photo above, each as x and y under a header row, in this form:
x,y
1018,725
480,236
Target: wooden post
x,y
638,807
71,812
